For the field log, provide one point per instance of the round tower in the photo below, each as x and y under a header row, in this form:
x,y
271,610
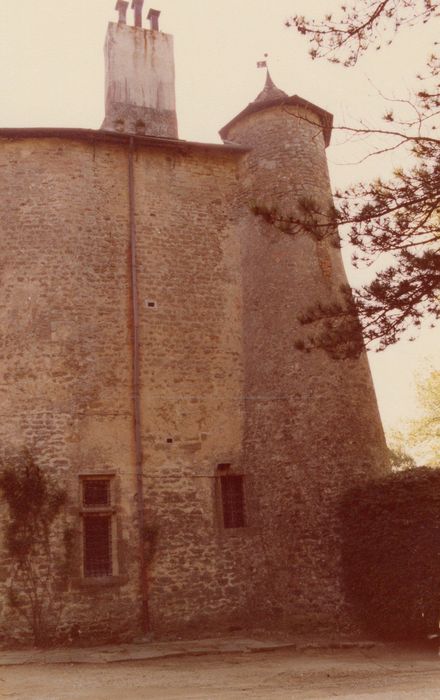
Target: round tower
x,y
312,427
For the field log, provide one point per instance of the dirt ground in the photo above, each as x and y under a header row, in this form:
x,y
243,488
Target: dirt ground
x,y
276,675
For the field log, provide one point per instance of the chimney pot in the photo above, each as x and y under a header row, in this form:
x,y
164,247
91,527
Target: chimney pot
x,y
153,16
137,6
121,6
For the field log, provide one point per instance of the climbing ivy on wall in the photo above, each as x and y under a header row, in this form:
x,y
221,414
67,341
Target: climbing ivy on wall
x,y
391,554
35,574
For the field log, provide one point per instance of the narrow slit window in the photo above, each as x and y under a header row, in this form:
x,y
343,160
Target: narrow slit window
x,y
232,496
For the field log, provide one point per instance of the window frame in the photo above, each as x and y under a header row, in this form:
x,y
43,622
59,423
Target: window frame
x,y
225,470
108,511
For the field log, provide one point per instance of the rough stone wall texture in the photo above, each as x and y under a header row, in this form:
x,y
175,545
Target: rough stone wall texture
x,y
192,383
66,357
221,381
312,426
66,371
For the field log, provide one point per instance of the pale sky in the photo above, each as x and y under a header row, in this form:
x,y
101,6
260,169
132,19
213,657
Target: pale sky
x,y
52,74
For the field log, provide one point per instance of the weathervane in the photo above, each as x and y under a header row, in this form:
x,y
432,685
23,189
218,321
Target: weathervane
x,y
263,64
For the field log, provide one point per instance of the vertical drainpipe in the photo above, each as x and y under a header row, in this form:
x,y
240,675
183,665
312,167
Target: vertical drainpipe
x,y
143,580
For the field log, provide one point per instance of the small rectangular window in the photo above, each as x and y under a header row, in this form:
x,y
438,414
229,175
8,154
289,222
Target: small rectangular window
x,y
96,492
232,496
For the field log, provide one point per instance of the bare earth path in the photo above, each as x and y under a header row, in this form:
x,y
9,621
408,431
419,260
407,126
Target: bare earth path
x,y
280,675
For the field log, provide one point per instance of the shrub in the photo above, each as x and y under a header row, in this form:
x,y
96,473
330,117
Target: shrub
x,y
391,554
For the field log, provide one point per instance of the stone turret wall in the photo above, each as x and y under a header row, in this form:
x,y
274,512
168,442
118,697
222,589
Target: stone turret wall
x,y
312,426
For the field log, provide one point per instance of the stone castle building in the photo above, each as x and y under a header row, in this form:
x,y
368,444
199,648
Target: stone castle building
x,y
150,358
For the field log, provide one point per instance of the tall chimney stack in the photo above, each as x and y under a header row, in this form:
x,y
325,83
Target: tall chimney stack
x,y
139,76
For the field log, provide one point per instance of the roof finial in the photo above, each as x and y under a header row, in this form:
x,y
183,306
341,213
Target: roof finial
x,y
263,64
270,91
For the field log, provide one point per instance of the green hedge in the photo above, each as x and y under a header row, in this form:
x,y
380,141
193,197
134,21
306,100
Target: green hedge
x,y
391,554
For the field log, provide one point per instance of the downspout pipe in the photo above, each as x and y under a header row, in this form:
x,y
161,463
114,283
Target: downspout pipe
x,y
137,424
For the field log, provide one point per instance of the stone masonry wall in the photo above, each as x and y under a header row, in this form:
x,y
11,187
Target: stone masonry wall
x,y
66,360
66,369
192,386
312,424
219,293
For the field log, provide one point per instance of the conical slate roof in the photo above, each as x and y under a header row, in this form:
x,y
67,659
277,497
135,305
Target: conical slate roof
x,y
272,96
270,91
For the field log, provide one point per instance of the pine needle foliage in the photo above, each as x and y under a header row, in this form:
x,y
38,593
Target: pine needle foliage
x,y
398,218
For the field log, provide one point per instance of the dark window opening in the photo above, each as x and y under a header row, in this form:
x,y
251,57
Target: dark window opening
x,y
97,545
96,492
232,495
223,467
97,524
